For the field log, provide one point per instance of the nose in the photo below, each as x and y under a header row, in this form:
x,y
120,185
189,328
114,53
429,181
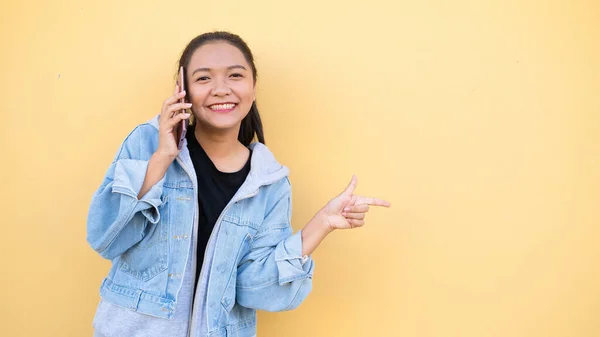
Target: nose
x,y
220,88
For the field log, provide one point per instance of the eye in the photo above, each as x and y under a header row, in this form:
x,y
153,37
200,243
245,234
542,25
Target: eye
x,y
237,75
202,78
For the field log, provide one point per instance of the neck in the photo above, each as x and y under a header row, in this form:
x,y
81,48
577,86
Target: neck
x,y
217,143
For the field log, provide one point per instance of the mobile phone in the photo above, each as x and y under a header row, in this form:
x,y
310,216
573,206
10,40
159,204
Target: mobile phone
x,y
181,128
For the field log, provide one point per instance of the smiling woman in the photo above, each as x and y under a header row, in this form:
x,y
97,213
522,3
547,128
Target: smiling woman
x,y
200,238
222,93
222,64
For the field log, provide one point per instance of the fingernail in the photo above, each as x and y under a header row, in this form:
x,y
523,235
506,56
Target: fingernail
x,y
188,104
346,209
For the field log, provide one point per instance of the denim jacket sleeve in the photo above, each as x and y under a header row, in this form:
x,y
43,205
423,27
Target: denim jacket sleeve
x,y
272,276
117,219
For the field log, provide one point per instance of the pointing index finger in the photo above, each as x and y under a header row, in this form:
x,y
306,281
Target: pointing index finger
x,y
360,200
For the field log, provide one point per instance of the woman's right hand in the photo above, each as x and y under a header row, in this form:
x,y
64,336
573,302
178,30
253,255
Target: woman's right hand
x,y
169,117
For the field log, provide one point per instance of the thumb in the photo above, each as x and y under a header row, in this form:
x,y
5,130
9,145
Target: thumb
x,y
352,186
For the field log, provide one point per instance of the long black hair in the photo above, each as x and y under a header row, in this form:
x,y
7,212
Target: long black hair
x,y
251,124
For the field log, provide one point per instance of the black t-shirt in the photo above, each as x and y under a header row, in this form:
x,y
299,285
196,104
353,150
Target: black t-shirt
x,y
215,190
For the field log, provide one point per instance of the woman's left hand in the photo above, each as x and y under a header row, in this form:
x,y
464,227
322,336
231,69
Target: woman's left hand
x,y
347,210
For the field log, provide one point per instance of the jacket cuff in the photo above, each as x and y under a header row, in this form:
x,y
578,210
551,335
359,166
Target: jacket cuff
x,y
128,179
291,265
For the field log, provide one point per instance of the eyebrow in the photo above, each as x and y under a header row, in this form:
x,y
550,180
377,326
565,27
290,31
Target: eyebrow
x,y
235,66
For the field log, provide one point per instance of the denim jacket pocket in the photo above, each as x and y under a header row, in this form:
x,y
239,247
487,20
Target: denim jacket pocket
x,y
245,230
149,257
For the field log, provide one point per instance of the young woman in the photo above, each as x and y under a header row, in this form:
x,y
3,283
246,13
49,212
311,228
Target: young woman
x,y
200,238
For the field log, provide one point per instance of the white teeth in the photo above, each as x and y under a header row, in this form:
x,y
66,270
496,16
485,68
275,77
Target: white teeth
x,y
222,106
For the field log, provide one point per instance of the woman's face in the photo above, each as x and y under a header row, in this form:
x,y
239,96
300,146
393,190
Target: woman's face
x,y
220,86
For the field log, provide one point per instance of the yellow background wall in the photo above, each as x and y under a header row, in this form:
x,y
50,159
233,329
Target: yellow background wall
x,y
478,120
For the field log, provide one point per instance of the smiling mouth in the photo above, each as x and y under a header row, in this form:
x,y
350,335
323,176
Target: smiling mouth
x,y
222,107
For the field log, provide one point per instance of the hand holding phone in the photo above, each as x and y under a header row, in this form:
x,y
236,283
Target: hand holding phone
x,y
173,121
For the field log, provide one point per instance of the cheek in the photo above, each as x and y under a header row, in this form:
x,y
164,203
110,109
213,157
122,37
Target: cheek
x,y
198,96
245,92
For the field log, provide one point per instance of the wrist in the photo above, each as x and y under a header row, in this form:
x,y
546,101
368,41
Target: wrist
x,y
159,163
314,233
320,223
162,158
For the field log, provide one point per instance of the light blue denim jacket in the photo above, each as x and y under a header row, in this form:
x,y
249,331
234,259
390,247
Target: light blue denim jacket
x,y
252,260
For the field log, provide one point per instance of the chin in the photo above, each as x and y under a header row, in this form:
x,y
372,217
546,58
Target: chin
x,y
221,123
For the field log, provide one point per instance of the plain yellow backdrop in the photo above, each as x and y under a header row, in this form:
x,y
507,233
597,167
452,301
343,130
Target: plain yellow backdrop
x,y
478,120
